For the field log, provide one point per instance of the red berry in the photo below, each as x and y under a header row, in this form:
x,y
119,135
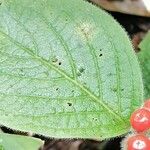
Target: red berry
x,y
140,120
138,142
147,104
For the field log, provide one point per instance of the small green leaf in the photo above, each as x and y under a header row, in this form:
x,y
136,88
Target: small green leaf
x,y
144,57
18,142
67,70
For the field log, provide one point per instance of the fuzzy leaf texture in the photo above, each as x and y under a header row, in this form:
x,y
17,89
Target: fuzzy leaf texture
x,y
67,70
144,57
18,142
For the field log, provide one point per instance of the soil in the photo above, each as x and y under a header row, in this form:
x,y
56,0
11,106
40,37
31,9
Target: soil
x,y
136,28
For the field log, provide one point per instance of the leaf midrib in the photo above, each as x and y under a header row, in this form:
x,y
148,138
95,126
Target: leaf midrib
x,y
62,73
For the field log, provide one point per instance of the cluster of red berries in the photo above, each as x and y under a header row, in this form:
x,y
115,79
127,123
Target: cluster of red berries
x,y
140,122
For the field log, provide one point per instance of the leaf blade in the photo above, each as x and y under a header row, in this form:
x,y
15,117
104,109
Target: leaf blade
x,y
144,56
44,70
18,142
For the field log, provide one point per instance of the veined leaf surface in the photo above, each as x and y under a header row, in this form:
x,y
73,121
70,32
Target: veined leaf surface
x,y
18,142
144,57
67,70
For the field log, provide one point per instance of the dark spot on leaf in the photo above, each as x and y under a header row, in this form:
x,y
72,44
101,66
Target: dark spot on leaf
x,y
46,73
78,74
122,89
95,119
57,89
114,89
100,55
22,72
6,114
113,119
59,63
11,85
84,83
110,74
100,49
81,70
54,59
72,91
69,104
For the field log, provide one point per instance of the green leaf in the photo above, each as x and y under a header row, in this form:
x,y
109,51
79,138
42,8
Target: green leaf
x,y
144,57
67,70
18,142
